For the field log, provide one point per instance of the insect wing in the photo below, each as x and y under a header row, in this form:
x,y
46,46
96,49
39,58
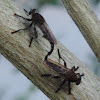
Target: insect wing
x,y
48,33
56,67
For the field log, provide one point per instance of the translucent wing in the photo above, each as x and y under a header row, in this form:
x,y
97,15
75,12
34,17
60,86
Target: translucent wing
x,y
56,67
47,33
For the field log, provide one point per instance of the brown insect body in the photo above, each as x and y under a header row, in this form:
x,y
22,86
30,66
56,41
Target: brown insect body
x,y
60,69
68,74
38,20
41,23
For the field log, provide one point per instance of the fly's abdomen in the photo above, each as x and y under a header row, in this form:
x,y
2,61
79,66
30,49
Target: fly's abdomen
x,y
47,33
56,68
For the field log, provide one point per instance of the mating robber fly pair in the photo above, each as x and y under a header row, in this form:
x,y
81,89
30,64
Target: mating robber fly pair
x,y
68,74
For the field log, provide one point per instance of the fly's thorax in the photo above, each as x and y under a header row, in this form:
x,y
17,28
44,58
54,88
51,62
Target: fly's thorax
x,y
37,19
71,76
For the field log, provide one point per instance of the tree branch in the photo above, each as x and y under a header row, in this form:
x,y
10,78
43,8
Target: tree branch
x,y
87,22
30,60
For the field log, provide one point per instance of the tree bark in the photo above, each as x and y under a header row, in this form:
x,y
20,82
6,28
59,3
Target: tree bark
x,y
87,22
30,60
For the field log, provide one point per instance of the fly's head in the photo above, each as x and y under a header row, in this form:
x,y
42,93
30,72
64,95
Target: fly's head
x,y
79,78
32,11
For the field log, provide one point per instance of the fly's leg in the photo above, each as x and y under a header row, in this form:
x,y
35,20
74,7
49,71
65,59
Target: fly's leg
x,y
74,69
36,35
69,88
60,86
28,27
62,59
26,12
22,17
46,75
35,31
30,42
49,53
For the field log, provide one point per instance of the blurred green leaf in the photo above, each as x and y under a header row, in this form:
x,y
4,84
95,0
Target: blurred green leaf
x,y
94,2
27,94
41,2
32,88
44,2
21,98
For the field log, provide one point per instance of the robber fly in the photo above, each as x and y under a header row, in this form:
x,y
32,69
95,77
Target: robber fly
x,y
38,20
63,71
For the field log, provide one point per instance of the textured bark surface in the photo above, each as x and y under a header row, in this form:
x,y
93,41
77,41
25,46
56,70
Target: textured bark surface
x,y
87,22
30,60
